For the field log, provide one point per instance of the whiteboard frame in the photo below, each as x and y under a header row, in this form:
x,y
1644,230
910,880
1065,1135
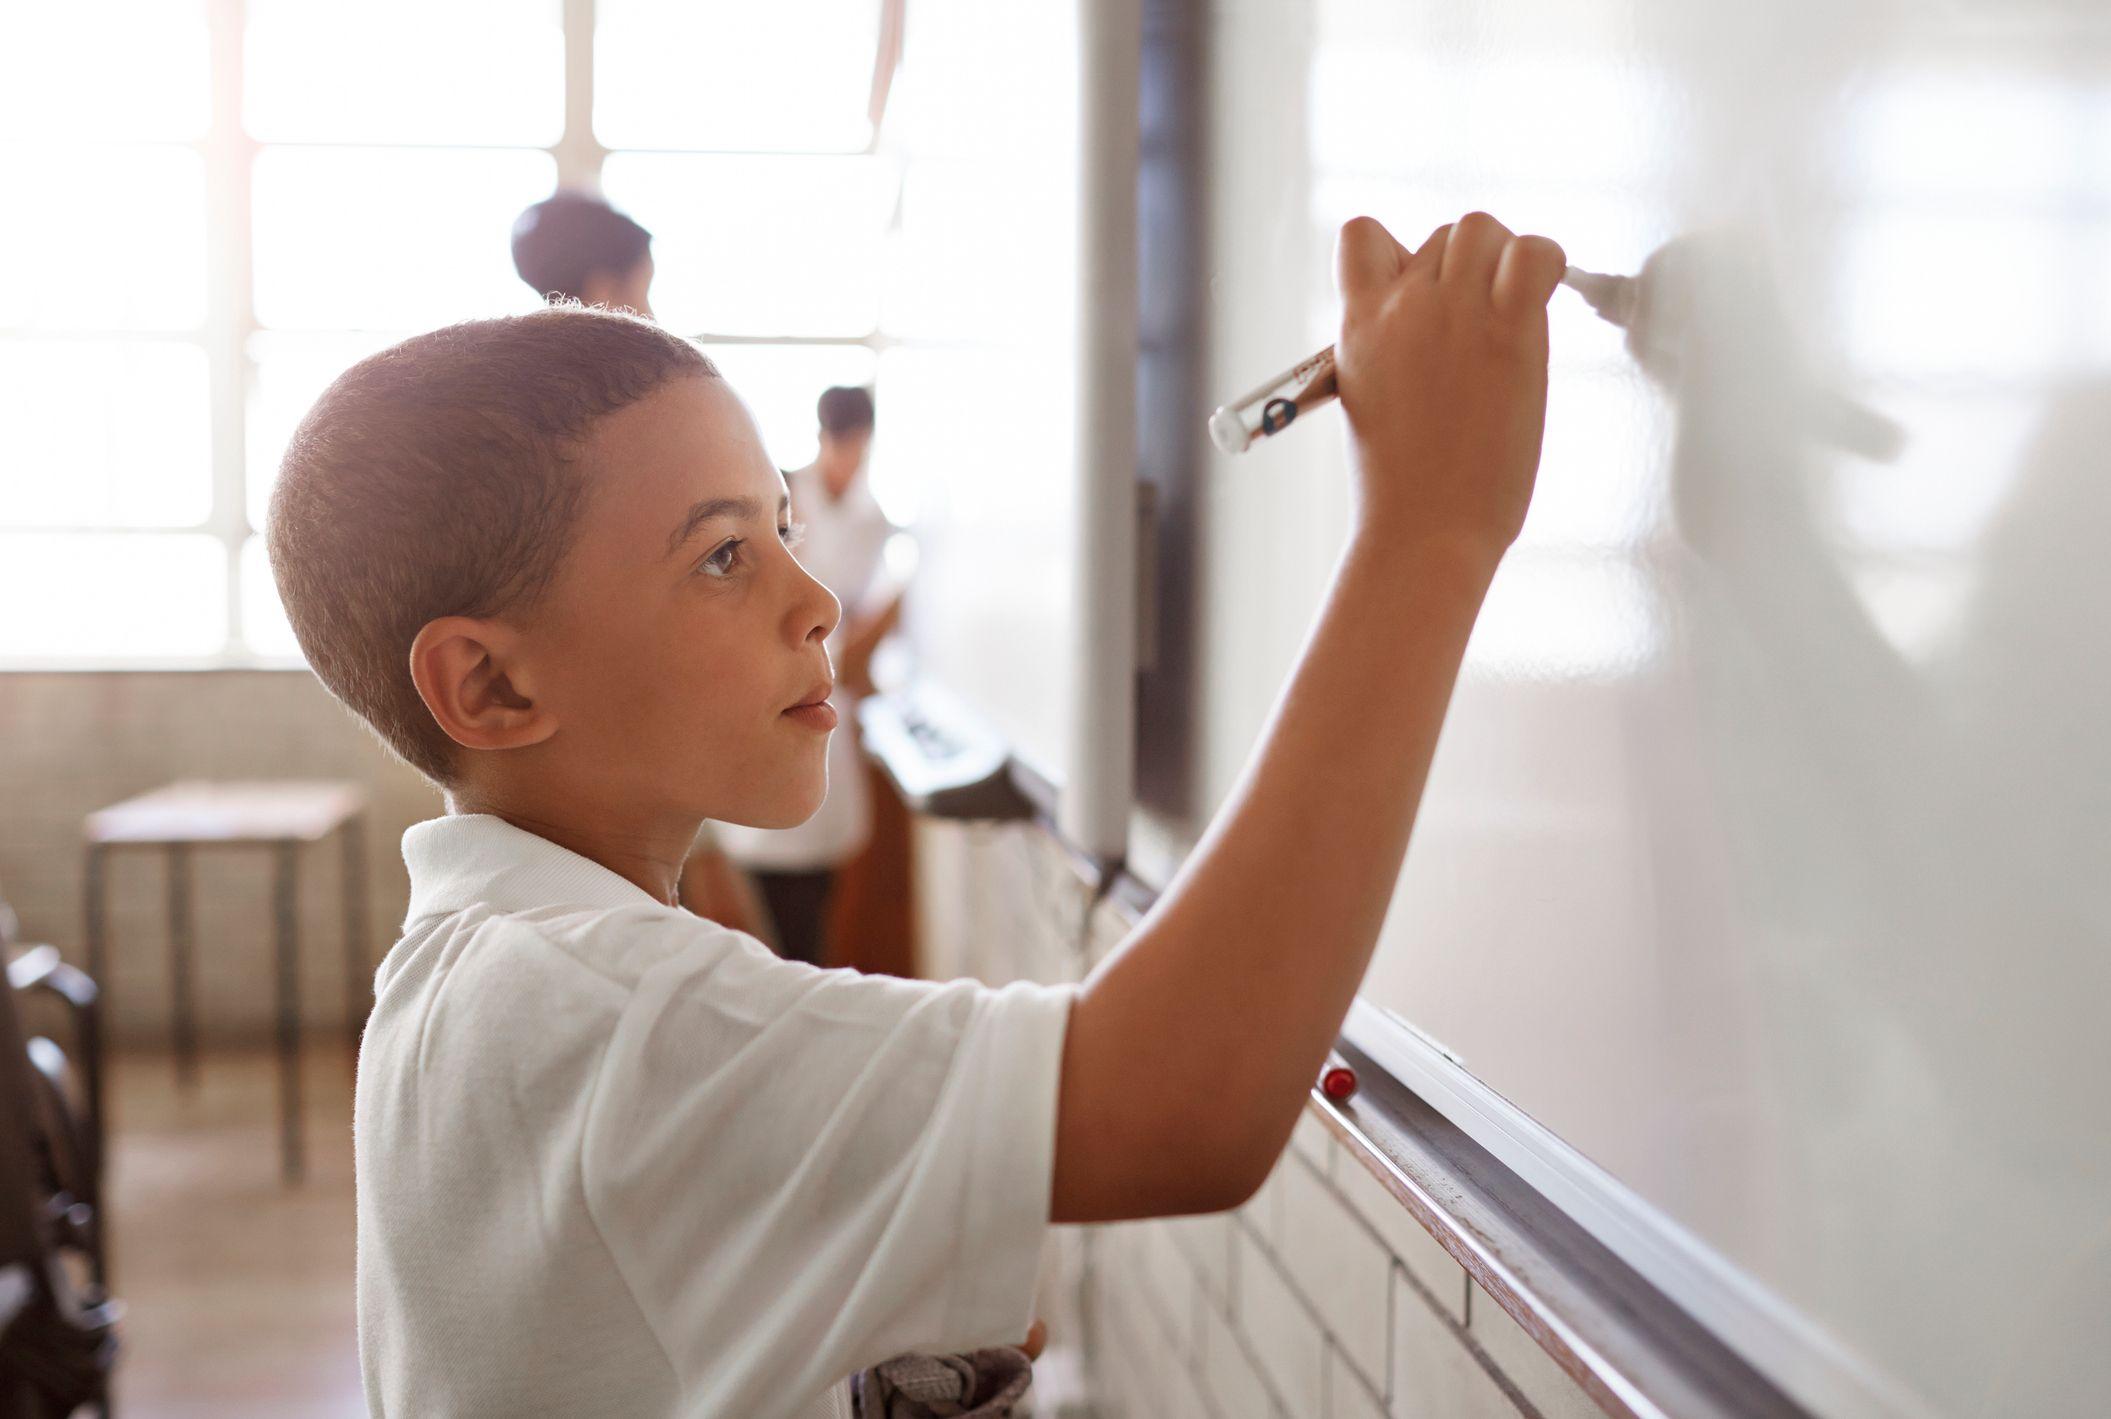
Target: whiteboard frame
x,y
1098,784
1789,1349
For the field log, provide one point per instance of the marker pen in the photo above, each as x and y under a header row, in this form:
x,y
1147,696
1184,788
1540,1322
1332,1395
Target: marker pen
x,y
1309,384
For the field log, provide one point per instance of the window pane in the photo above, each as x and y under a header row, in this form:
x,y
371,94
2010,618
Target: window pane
x,y
759,245
986,120
103,238
462,71
779,384
374,239
106,69
291,373
104,433
265,628
731,75
112,595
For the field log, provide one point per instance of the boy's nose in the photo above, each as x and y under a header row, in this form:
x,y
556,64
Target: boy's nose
x,y
816,610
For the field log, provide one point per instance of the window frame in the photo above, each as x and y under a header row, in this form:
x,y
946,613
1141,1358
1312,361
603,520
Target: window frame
x,y
229,325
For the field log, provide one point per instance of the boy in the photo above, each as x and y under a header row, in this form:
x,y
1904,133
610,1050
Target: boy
x,y
614,1159
843,543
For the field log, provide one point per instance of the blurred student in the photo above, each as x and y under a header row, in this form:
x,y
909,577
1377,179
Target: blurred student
x,y
843,545
575,246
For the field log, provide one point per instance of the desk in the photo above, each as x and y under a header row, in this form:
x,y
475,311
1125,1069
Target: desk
x,y
281,816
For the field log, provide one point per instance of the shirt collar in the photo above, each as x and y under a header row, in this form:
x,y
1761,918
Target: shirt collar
x,y
466,859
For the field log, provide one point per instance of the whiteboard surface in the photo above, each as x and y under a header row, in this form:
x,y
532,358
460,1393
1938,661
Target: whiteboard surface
x,y
978,378
1764,860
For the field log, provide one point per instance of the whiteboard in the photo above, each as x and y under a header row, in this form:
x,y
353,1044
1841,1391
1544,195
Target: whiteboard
x,y
1006,374
1764,861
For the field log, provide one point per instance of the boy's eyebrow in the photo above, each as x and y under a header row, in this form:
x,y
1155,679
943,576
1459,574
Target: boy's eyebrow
x,y
743,509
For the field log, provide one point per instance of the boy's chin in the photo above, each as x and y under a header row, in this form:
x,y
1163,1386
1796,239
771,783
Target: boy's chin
x,y
786,819
786,813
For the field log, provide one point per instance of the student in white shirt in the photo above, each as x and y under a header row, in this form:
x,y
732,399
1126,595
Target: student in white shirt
x,y
615,1159
843,542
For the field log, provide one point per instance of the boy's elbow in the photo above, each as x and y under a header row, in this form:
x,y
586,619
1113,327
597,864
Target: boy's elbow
x,y
1237,1184
1226,1171
1184,1172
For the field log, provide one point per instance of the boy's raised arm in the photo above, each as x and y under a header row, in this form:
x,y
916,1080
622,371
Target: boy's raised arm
x,y
1191,1048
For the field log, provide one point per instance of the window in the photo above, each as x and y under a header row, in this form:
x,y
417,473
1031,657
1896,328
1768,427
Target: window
x,y
239,198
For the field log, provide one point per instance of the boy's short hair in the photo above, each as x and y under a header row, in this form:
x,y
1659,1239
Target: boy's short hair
x,y
563,240
844,409
442,477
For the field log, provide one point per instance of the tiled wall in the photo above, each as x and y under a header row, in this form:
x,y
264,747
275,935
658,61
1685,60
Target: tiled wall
x,y
1322,1298
71,743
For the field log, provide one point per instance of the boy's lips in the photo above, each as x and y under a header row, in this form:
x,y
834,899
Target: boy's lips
x,y
815,712
816,696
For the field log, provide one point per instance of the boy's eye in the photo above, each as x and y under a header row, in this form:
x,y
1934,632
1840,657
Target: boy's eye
x,y
722,559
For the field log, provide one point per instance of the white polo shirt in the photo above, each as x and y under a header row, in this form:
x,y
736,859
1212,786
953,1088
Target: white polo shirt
x,y
615,1159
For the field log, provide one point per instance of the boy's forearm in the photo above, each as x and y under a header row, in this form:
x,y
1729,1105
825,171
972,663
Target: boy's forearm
x,y
1203,1033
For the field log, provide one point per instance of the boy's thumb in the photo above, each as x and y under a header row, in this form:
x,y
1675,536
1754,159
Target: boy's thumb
x,y
1527,273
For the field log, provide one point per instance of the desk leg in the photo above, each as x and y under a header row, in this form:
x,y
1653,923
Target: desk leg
x,y
97,925
183,1029
98,940
286,907
359,976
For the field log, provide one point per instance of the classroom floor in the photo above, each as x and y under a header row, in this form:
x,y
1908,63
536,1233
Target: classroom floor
x,y
238,1291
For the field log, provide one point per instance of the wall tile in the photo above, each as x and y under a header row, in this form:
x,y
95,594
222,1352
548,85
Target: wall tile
x,y
1435,1376
1405,1237
1525,1364
1349,1395
1263,1213
1230,1376
1339,1266
1208,1242
1136,1378
1285,1335
1148,1257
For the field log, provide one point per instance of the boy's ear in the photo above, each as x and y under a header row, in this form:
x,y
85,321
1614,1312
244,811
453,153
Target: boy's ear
x,y
467,674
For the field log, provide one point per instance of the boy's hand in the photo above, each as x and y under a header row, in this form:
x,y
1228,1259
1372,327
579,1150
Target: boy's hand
x,y
1442,365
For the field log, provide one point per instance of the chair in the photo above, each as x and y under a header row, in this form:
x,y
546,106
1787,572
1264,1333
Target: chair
x,y
39,972
58,1325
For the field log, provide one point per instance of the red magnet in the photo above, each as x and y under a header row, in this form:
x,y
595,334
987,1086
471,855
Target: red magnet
x,y
1338,1083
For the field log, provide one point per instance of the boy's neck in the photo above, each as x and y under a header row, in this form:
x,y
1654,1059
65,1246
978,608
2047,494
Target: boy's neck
x,y
649,858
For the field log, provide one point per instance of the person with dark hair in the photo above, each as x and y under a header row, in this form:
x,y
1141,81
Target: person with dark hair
x,y
574,246
844,544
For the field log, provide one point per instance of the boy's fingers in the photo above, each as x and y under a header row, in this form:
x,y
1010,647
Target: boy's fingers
x,y
1527,273
1470,257
1036,1339
1430,254
1367,259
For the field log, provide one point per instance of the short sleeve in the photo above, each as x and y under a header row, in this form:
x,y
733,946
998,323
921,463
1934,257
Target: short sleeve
x,y
801,1172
